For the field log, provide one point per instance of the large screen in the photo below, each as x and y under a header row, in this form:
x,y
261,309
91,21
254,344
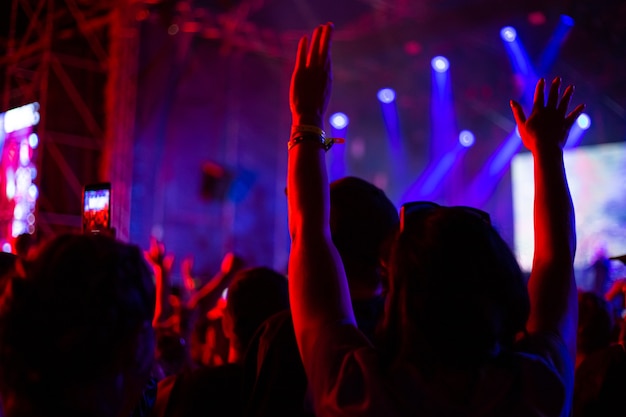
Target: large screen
x,y
597,179
18,193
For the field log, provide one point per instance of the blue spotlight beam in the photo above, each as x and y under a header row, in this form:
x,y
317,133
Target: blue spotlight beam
x,y
445,148
337,164
551,51
428,186
389,110
521,63
443,120
487,179
492,172
583,123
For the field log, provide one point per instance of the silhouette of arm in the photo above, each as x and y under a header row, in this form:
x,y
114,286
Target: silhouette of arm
x,y
318,288
551,287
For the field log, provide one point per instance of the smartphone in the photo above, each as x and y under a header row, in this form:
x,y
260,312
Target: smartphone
x,y
97,208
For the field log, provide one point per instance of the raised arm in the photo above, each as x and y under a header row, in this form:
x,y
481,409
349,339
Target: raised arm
x,y
207,297
551,287
317,283
161,265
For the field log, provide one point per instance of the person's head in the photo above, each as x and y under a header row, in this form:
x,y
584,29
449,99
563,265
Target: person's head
x,y
75,329
595,324
24,243
362,221
457,295
254,295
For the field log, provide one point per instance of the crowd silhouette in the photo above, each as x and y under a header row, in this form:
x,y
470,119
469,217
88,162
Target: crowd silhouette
x,y
418,312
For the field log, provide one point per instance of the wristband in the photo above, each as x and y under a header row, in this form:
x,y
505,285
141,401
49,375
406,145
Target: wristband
x,y
307,129
325,143
300,133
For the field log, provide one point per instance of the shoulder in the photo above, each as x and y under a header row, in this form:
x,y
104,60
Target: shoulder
x,y
546,372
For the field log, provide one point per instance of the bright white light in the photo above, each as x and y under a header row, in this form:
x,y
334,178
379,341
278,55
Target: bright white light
x,y
6,247
18,212
508,34
10,187
23,180
33,192
386,95
18,228
24,153
466,138
583,121
339,120
33,140
21,117
440,64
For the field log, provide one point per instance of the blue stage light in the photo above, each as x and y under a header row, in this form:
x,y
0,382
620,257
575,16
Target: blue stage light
x,y
567,20
508,34
583,121
339,120
440,64
386,95
466,138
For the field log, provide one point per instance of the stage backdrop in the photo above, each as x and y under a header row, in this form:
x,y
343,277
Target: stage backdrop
x,y
210,151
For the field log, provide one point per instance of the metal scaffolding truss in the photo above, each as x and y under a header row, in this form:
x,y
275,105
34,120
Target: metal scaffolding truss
x,y
235,26
58,53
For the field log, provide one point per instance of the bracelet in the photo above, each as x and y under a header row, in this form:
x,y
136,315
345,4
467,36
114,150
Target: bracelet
x,y
300,133
326,143
307,129
299,138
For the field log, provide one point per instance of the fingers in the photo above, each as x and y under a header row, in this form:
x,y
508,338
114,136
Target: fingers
x,y
313,58
324,53
301,56
565,101
539,101
553,96
318,52
518,113
571,118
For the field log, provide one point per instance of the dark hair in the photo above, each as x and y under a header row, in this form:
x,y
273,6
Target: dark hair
x,y
457,295
362,221
594,323
23,243
72,318
254,295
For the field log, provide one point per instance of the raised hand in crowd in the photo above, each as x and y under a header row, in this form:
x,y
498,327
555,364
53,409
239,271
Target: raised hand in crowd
x,y
552,288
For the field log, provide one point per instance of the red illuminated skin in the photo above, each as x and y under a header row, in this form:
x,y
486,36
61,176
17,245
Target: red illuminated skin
x,y
317,281
551,287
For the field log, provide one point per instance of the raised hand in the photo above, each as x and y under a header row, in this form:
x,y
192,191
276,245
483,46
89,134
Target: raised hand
x,y
548,125
311,81
157,257
186,268
231,263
